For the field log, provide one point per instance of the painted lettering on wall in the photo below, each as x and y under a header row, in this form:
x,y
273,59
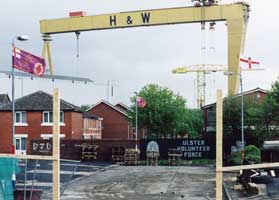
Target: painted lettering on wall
x,y
42,147
193,148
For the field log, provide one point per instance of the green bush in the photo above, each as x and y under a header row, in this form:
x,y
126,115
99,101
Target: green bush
x,y
203,162
251,153
234,158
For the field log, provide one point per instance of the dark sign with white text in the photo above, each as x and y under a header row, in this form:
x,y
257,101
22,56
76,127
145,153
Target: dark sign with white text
x,y
190,148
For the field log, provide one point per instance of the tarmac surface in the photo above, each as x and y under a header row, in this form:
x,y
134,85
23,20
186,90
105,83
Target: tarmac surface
x,y
104,181
143,183
41,177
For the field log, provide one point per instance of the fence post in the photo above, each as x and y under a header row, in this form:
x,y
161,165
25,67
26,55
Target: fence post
x,y
56,144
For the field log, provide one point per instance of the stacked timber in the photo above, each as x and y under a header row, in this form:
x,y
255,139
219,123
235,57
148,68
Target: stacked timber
x,y
174,157
118,153
89,151
131,156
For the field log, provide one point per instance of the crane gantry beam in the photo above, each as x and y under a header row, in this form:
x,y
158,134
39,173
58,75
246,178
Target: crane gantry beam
x,y
208,68
236,17
202,70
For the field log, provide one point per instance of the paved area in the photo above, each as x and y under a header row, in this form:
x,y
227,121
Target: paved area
x,y
101,181
144,183
70,170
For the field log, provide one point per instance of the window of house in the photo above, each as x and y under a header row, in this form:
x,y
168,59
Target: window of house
x,y
20,144
20,117
48,117
48,136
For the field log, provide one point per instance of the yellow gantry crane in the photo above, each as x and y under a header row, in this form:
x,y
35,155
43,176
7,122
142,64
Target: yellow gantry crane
x,y
236,16
202,70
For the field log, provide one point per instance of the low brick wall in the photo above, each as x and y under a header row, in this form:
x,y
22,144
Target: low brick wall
x,y
71,148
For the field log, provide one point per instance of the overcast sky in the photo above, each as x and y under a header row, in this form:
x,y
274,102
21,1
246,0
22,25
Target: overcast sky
x,y
131,58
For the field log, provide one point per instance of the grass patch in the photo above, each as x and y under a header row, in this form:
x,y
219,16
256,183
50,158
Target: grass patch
x,y
197,162
203,162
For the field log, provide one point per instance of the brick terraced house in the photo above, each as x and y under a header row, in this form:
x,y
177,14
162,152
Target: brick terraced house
x,y
115,120
34,120
4,98
256,95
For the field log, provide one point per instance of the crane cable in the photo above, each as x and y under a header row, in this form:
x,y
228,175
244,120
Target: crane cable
x,y
212,49
77,53
212,36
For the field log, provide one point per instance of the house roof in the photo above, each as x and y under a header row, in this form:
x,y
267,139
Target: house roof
x,y
110,105
4,98
38,101
90,116
123,107
238,95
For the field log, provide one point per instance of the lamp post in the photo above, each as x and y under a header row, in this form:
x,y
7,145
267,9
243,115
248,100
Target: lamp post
x,y
19,38
242,112
242,119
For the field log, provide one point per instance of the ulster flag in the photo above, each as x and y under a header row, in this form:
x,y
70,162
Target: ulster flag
x,y
141,102
28,62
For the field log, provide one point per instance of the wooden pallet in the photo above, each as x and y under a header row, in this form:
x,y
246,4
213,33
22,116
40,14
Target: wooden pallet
x,y
174,157
131,157
89,152
118,153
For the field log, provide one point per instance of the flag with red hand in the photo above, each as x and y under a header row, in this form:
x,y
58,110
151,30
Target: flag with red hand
x,y
28,62
141,102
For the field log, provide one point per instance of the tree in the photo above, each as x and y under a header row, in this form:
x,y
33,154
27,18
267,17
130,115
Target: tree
x,y
190,123
261,118
270,114
165,115
252,119
84,107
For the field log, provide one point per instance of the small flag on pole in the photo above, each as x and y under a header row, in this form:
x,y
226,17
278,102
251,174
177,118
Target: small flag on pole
x,y
141,102
28,62
249,61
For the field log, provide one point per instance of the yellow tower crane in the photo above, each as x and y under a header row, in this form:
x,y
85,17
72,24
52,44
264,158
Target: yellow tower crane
x,y
202,70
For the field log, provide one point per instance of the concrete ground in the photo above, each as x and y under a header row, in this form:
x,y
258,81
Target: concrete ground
x,y
144,183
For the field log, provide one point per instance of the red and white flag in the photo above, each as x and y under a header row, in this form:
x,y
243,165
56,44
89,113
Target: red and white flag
x,y
141,102
250,62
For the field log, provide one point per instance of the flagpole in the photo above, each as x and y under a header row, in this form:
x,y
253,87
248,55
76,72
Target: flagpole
x,y
20,38
136,120
13,104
